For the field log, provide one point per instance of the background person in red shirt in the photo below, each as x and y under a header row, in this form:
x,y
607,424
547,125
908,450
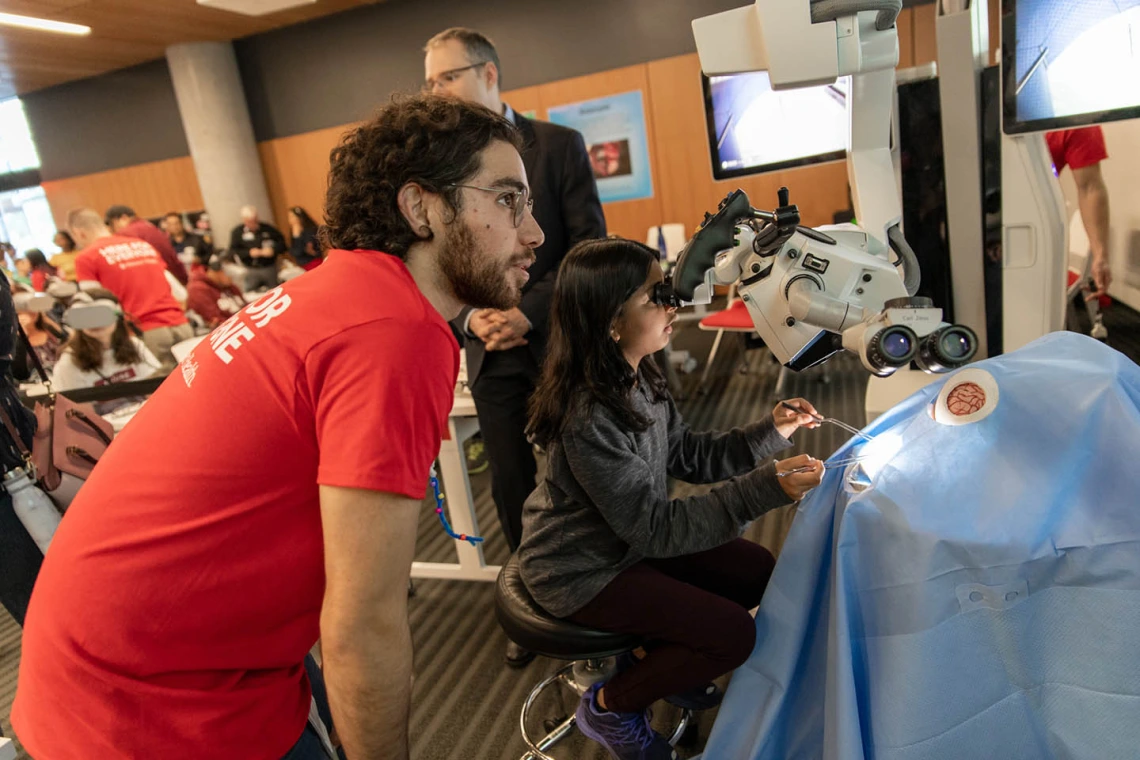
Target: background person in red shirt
x,y
134,273
123,221
211,293
269,493
1082,150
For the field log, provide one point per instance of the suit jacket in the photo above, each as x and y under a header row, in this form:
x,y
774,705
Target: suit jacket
x,y
567,208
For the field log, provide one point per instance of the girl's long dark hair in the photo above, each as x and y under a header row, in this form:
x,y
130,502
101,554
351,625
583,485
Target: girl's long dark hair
x,y
584,364
38,261
88,352
307,222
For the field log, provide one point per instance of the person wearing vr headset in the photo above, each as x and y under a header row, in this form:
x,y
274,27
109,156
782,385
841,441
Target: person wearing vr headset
x,y
101,350
603,545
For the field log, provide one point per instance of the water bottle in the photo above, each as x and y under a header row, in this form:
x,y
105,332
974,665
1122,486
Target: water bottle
x,y
32,506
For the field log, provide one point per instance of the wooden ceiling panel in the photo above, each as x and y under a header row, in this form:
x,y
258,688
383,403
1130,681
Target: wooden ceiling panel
x,y
123,33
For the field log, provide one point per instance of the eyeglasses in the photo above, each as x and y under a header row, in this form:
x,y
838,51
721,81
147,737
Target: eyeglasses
x,y
450,76
518,201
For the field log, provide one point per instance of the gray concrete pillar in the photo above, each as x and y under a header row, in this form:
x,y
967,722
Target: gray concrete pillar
x,y
215,116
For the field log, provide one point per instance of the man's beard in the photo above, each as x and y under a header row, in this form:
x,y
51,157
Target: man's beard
x,y
477,279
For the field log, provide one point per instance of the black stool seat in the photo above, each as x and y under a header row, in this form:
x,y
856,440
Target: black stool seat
x,y
532,628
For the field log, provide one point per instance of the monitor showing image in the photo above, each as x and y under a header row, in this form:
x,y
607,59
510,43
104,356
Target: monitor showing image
x,y
1068,63
753,128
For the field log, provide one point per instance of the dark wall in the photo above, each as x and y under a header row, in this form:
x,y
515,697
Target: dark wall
x,y
106,122
338,69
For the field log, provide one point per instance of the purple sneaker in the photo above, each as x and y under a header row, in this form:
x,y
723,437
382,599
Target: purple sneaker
x,y
626,736
704,697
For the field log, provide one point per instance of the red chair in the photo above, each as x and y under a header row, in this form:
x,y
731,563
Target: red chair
x,y
734,318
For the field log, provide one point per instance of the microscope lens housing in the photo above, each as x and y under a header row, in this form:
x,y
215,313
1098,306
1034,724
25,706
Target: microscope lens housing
x,y
947,348
892,347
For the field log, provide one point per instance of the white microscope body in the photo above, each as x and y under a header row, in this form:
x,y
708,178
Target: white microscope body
x,y
813,292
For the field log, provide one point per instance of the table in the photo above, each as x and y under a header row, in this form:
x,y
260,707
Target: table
x,y
459,503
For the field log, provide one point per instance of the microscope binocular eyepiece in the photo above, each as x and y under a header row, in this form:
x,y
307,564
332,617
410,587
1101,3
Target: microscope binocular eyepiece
x,y
946,348
892,347
663,295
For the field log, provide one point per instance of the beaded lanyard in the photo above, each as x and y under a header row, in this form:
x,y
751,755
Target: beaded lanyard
x,y
473,540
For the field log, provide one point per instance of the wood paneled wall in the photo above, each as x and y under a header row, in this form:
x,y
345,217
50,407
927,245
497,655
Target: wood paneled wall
x,y
683,185
296,170
150,189
296,167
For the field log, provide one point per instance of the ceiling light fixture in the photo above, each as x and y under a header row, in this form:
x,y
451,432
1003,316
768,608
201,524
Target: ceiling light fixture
x,y
42,24
255,7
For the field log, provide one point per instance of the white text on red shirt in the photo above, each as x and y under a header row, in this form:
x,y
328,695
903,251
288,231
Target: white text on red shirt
x,y
238,329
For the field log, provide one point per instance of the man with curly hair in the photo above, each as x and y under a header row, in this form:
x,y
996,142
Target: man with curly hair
x,y
268,493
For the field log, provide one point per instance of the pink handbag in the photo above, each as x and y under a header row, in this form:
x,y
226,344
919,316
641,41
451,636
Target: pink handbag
x,y
70,437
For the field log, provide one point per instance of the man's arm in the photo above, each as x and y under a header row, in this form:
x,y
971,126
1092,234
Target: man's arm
x,y
239,246
1092,197
278,239
366,646
161,243
581,209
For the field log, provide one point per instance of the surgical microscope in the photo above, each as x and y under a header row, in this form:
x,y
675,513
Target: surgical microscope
x,y
814,292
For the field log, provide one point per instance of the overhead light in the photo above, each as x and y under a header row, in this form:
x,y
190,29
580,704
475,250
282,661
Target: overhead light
x,y
42,24
254,7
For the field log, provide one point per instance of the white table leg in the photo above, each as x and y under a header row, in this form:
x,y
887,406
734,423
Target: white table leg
x,y
460,506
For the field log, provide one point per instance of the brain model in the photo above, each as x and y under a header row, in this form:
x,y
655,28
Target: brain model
x,y
970,395
965,398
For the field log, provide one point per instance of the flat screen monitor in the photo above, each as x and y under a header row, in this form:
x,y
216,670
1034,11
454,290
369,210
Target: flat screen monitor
x,y
753,128
1069,63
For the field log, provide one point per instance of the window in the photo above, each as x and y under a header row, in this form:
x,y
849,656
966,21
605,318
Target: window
x,y
26,220
17,150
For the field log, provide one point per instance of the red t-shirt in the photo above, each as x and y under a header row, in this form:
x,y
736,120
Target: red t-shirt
x,y
183,589
1076,148
202,297
133,271
160,241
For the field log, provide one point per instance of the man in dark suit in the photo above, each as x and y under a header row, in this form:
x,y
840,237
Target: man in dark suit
x,y
505,348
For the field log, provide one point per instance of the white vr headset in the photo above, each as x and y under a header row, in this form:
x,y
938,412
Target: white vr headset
x,y
92,316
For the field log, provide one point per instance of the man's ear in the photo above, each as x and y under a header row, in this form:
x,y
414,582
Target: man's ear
x,y
412,200
491,74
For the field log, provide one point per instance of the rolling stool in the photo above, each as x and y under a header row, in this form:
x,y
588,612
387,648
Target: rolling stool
x,y
529,626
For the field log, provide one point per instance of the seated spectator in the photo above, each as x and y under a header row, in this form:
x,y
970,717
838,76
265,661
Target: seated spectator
x,y
44,334
39,270
134,272
257,244
64,261
211,292
305,250
97,356
187,244
21,271
123,221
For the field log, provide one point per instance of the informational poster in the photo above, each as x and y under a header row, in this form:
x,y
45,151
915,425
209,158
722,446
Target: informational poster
x,y
614,130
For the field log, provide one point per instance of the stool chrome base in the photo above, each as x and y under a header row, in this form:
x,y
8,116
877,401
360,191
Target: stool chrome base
x,y
578,676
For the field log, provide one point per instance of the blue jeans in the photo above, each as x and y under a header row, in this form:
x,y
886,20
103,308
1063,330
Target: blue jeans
x,y
309,747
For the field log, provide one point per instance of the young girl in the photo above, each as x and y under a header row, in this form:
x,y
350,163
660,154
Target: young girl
x,y
603,544
103,355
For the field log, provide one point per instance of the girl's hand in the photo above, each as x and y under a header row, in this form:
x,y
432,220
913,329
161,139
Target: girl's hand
x,y
788,422
796,484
